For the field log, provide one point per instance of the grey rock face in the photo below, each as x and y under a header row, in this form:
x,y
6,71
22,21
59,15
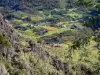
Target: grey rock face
x,y
12,36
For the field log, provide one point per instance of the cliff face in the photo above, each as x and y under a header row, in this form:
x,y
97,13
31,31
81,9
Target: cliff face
x,y
13,60
7,31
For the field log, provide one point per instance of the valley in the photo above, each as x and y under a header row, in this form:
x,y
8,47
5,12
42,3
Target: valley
x,y
49,37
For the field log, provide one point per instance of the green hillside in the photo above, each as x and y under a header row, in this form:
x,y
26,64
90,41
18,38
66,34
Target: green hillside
x,y
49,37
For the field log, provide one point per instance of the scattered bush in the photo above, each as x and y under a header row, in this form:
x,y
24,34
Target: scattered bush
x,y
40,30
4,41
19,72
82,38
93,22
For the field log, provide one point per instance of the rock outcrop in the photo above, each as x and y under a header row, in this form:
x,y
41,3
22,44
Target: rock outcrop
x,y
3,70
7,31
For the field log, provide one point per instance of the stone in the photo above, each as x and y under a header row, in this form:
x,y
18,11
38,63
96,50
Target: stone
x,y
3,70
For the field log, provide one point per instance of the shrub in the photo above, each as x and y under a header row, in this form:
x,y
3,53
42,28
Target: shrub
x,y
86,3
17,21
40,30
19,27
97,35
4,41
82,38
58,12
7,65
93,22
19,72
97,6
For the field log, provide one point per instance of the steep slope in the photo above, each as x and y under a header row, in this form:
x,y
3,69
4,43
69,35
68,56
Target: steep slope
x,y
7,31
17,59
53,42
7,52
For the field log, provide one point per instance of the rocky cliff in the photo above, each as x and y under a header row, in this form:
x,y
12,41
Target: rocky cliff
x,y
14,59
7,31
7,52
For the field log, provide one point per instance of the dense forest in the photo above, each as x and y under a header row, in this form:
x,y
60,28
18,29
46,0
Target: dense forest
x,y
49,37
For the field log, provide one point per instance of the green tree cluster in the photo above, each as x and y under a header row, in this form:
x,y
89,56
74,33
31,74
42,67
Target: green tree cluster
x,y
87,3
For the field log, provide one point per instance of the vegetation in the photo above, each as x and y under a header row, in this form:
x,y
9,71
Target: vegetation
x,y
4,41
87,3
58,38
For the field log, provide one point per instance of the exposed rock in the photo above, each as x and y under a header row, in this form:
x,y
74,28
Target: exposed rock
x,y
59,65
34,46
3,70
8,31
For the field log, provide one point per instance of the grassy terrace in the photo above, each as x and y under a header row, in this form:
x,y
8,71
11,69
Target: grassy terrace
x,y
58,31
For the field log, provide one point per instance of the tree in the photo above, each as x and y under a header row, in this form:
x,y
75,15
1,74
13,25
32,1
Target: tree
x,y
86,3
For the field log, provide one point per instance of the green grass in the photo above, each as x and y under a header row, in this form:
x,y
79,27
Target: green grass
x,y
73,15
36,18
58,31
20,14
17,21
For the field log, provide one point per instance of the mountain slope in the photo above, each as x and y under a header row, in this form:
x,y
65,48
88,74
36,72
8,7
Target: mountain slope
x,y
49,37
